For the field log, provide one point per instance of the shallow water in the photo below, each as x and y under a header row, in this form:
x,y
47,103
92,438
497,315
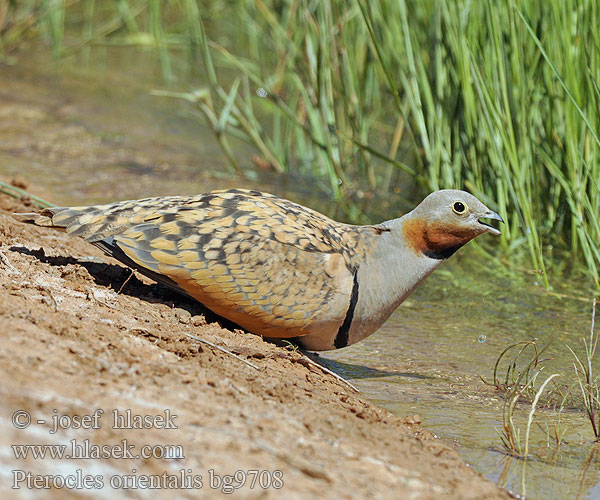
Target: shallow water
x,y
430,355
427,359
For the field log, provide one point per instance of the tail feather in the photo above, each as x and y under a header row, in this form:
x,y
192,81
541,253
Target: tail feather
x,y
98,222
92,223
89,223
43,218
70,219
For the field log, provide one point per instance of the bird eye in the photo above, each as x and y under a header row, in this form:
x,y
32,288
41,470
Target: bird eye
x,y
459,208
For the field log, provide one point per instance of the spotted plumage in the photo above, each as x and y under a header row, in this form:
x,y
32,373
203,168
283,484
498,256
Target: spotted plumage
x,y
275,267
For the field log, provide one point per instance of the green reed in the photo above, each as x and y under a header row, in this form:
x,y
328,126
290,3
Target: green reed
x,y
481,101
501,98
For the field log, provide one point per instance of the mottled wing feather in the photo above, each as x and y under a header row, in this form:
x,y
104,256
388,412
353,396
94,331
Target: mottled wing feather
x,y
291,223
266,286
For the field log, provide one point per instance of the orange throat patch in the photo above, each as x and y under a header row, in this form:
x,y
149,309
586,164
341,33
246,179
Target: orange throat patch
x,y
435,240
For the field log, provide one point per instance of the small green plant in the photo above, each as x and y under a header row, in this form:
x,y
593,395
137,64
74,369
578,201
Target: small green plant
x,y
20,194
589,384
517,377
511,435
290,346
518,383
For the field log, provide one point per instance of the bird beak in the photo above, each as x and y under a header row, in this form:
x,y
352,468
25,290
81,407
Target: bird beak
x,y
488,228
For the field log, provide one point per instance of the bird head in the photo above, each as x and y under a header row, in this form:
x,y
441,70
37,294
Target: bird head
x,y
446,220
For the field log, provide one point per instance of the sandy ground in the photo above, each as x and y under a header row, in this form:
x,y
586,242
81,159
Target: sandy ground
x,y
78,336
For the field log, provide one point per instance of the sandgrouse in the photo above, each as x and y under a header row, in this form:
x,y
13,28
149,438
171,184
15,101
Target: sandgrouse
x,y
277,268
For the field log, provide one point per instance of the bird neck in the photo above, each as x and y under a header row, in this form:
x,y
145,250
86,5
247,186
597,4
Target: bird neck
x,y
387,277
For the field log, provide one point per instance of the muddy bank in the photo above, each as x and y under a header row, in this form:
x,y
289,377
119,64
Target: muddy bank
x,y
79,335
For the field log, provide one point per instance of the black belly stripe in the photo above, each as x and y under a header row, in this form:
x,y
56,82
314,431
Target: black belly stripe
x,y
341,339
